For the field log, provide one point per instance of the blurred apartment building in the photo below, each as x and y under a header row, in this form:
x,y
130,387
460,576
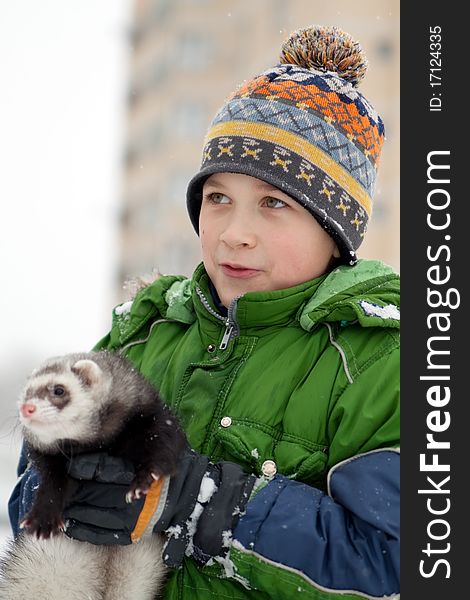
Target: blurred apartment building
x,y
186,57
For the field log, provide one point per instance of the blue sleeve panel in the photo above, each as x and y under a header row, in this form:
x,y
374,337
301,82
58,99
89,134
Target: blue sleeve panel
x,y
22,496
347,539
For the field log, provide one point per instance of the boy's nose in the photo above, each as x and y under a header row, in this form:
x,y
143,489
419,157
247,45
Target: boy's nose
x,y
239,232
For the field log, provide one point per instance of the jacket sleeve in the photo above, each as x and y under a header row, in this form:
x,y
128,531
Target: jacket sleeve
x,y
342,543
22,496
297,538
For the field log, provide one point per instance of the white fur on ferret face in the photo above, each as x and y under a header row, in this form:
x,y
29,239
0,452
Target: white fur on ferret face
x,y
51,422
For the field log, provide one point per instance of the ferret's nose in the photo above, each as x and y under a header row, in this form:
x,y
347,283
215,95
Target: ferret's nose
x,y
27,410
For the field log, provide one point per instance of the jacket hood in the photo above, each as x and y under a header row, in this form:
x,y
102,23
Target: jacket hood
x,y
368,293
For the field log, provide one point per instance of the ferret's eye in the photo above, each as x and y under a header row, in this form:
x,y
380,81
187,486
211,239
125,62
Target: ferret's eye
x,y
59,390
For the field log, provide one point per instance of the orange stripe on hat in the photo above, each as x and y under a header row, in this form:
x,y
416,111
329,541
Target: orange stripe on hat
x,y
347,116
150,505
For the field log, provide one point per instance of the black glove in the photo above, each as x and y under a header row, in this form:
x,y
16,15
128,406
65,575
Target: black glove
x,y
196,507
98,511
204,501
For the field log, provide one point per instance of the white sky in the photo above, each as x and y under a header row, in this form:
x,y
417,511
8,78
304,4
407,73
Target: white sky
x,y
63,67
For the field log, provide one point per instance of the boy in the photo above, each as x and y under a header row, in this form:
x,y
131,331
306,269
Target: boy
x,y
280,356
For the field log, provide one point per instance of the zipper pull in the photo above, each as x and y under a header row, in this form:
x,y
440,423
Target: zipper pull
x,y
226,338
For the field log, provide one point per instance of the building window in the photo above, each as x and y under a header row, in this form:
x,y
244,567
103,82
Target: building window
x,y
176,188
194,50
161,10
385,49
190,120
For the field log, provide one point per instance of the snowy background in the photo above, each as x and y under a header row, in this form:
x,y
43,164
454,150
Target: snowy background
x,y
63,67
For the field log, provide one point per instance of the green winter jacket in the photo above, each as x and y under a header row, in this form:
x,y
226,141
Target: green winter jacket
x,y
306,377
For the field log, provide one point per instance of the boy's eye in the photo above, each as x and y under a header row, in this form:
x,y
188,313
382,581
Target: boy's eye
x,y
218,198
275,203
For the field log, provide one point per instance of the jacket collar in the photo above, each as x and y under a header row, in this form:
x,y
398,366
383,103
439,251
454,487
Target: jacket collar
x,y
253,309
367,293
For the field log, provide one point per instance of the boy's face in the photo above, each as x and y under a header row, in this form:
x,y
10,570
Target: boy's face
x,y
256,238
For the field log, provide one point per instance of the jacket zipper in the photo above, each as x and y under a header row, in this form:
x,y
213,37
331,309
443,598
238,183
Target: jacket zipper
x,y
227,335
231,326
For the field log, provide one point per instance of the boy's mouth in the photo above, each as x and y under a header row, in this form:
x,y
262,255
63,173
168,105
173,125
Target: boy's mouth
x,y
238,271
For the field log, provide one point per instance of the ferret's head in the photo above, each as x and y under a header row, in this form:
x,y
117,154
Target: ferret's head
x,y
61,401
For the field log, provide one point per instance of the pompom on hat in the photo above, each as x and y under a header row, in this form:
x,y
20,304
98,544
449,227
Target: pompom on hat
x,y
303,127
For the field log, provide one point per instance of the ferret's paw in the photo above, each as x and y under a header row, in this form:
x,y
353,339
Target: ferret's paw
x,y
141,486
25,523
42,527
134,495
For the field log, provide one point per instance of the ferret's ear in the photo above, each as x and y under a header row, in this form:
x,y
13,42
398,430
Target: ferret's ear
x,y
88,371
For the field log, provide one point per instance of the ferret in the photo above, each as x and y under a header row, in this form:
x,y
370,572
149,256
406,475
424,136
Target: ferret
x,y
79,403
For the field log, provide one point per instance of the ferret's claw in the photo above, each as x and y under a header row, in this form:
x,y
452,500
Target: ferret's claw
x,y
155,476
25,523
135,494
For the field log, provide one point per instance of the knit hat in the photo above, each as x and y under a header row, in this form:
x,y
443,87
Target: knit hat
x,y
303,127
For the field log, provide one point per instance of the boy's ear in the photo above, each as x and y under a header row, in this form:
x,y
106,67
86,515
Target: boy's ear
x,y
336,253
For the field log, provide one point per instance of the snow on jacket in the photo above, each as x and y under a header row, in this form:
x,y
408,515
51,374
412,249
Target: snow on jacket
x,y
305,378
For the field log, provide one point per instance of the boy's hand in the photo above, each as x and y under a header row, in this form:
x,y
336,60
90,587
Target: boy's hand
x,y
98,511
195,507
